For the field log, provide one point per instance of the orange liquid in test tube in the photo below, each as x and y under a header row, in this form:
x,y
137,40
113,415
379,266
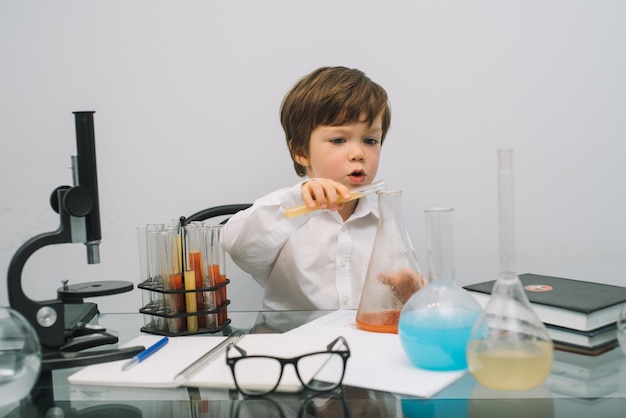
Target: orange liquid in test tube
x,y
214,270
381,321
195,264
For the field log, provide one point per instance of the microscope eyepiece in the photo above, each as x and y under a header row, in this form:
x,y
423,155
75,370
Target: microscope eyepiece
x,y
93,252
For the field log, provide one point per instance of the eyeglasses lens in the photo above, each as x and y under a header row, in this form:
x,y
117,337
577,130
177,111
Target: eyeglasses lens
x,y
326,378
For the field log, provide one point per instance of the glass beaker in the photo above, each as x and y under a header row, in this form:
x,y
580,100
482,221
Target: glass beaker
x,y
436,322
392,274
509,346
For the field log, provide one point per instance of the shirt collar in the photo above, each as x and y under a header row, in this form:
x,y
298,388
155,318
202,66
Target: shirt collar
x,y
368,204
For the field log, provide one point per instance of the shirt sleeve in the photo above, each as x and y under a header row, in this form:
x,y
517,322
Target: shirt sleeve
x,y
255,236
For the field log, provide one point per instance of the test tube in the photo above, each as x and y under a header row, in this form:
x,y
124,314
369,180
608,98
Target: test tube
x,y
354,194
170,259
154,268
223,314
212,272
193,250
142,247
153,299
147,298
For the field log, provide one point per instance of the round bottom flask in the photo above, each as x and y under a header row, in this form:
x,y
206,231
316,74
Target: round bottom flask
x,y
509,347
20,356
436,322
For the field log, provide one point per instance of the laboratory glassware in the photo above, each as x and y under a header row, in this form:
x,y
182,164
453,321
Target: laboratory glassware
x,y
392,274
435,323
20,356
509,347
357,193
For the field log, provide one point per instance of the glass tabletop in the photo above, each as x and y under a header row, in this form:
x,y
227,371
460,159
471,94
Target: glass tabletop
x,y
581,387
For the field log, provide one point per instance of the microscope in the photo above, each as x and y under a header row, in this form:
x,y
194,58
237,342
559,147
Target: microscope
x,y
78,207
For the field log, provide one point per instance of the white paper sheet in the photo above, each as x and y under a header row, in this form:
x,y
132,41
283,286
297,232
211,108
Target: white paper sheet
x,y
377,360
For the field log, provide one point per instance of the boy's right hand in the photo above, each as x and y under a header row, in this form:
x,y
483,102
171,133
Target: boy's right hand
x,y
324,194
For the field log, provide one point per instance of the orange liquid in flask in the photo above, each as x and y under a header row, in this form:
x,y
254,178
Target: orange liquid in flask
x,y
381,321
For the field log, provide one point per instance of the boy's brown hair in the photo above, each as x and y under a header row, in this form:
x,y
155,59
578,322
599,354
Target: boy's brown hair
x,y
330,96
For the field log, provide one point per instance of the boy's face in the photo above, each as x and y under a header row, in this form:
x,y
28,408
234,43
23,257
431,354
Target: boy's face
x,y
348,154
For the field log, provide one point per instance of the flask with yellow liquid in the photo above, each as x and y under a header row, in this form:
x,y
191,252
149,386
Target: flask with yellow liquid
x,y
509,347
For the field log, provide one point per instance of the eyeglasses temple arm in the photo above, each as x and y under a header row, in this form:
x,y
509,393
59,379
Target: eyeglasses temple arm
x,y
330,346
236,347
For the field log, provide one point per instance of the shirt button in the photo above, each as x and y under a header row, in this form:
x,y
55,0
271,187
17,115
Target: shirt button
x,y
344,301
343,262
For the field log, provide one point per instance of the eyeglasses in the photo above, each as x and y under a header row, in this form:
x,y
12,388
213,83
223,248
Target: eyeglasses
x,y
258,375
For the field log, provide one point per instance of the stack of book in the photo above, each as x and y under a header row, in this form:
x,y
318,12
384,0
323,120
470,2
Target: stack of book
x,y
580,316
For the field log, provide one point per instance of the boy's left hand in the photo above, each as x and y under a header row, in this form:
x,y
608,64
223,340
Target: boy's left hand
x,y
403,283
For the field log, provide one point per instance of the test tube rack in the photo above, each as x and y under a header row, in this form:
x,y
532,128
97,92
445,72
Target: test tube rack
x,y
162,320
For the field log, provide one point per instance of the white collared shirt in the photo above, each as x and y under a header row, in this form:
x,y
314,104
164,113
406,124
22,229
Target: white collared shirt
x,y
312,261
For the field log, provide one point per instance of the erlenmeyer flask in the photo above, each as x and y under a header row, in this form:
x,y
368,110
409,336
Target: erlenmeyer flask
x,y
509,346
435,323
392,274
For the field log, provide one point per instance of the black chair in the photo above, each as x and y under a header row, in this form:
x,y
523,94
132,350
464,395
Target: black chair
x,y
217,211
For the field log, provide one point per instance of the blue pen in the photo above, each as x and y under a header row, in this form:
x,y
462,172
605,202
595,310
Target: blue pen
x,y
145,353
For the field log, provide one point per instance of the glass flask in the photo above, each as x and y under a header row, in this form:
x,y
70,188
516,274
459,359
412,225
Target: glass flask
x,y
20,356
621,329
435,323
392,274
509,347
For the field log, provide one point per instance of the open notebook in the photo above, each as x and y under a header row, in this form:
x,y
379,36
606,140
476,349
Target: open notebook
x,y
160,369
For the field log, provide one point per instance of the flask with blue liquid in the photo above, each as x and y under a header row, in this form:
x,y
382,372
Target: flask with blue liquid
x,y
436,322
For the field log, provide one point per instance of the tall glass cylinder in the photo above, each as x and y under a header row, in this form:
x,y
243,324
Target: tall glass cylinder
x,y
392,274
509,346
435,323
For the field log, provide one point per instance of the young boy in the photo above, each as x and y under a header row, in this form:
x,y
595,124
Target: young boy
x,y
335,121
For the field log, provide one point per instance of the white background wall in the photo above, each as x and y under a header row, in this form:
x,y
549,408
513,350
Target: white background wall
x,y
187,93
